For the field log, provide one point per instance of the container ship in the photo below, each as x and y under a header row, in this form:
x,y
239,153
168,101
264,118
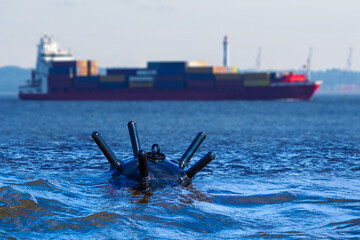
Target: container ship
x,y
58,76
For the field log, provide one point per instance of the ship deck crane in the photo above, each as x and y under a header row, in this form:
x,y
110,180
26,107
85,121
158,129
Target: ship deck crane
x,y
345,82
349,60
258,60
308,65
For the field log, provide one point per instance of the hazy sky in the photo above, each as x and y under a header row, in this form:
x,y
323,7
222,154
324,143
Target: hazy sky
x,y
130,32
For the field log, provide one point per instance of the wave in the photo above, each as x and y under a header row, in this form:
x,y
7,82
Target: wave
x,y
254,199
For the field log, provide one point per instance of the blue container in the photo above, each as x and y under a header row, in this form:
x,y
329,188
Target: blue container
x,y
200,76
87,79
275,75
113,85
122,71
62,71
170,78
64,64
167,65
155,65
86,85
171,71
170,85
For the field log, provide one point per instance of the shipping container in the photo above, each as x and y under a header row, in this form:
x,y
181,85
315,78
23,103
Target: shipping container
x,y
141,84
167,65
170,84
141,79
200,84
62,71
60,81
113,85
78,71
146,72
170,78
170,71
256,82
170,81
92,67
78,68
122,71
81,71
113,78
93,63
199,70
63,63
94,71
275,75
59,77
72,63
204,77
295,78
86,85
230,84
81,63
87,79
229,76
220,69
257,76
232,69
196,64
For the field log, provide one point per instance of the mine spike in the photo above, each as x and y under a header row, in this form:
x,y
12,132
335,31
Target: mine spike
x,y
110,156
134,137
200,164
184,160
143,169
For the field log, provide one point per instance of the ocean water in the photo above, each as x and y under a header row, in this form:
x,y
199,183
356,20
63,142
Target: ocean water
x,y
283,169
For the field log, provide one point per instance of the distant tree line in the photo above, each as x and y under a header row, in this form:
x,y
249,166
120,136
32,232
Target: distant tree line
x,y
335,80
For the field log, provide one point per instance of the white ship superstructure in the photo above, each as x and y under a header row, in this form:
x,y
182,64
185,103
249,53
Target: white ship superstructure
x,y
48,51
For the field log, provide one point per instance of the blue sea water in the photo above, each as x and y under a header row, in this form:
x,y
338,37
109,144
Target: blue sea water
x,y
283,169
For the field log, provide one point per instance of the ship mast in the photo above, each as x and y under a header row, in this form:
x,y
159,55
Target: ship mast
x,y
349,60
348,74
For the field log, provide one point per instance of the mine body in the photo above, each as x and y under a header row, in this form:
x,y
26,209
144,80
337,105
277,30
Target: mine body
x,y
153,166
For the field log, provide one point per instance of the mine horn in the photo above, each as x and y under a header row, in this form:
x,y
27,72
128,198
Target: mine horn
x,y
110,156
184,160
134,137
191,172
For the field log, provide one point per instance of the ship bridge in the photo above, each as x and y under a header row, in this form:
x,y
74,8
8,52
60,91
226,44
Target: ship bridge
x,y
48,51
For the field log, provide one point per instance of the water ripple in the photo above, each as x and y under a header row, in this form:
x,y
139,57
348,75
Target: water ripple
x,y
284,169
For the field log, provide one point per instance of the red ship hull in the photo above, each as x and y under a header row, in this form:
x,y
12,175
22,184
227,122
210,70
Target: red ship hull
x,y
301,91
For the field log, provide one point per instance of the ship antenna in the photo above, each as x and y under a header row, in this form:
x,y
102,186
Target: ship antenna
x,y
226,61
